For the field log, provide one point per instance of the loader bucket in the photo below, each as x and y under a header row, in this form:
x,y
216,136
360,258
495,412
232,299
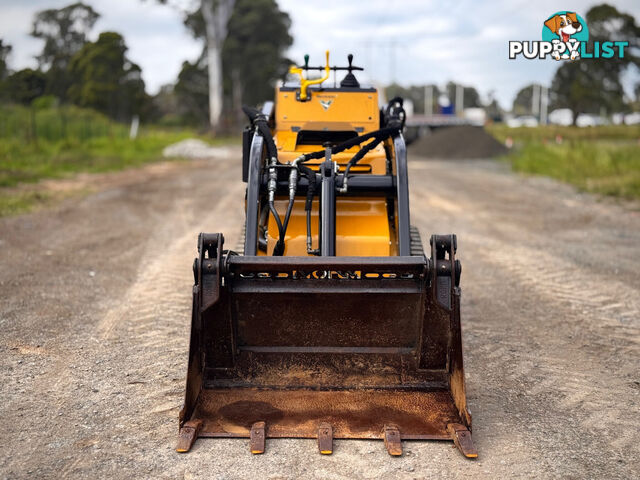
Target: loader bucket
x,y
326,347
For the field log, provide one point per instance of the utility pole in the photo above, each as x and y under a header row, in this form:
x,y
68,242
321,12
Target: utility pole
x,y
459,100
428,99
535,100
544,103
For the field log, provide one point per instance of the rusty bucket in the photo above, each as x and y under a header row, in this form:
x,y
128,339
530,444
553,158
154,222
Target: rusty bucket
x,y
326,347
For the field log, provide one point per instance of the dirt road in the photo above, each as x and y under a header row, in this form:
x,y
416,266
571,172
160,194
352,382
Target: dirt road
x,y
95,310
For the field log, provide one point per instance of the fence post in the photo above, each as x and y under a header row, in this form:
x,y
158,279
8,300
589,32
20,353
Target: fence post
x,y
135,123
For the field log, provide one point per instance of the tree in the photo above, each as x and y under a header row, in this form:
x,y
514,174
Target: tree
x,y
584,89
209,21
216,14
416,94
192,91
523,103
595,85
471,98
5,50
606,23
64,32
25,85
104,79
252,53
492,108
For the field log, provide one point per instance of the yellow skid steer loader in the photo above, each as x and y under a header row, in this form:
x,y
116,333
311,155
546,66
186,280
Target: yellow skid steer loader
x,y
332,322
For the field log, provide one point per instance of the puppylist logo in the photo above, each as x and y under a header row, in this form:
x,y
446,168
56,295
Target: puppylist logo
x,y
564,37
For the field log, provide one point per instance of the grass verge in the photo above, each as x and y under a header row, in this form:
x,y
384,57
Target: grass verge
x,y
20,202
32,162
603,160
60,142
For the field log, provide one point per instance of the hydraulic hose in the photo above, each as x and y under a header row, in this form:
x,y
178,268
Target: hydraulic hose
x,y
393,119
293,186
311,190
382,133
278,250
356,158
260,121
271,191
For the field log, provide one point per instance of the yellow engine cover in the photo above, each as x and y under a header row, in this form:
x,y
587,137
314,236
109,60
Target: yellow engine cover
x,y
362,224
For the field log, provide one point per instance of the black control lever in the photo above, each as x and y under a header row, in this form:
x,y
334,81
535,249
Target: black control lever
x,y
350,68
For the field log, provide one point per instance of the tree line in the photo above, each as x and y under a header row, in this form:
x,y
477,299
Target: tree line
x,y
99,74
244,45
71,69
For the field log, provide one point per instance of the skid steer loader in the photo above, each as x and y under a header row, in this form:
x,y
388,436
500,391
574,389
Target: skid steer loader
x,y
332,322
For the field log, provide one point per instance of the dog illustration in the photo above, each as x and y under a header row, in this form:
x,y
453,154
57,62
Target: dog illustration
x,y
564,26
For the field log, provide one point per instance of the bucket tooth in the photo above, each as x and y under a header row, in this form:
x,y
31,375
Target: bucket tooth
x,y
461,436
325,439
392,440
187,435
256,442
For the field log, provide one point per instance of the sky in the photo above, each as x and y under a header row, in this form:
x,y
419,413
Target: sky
x,y
411,42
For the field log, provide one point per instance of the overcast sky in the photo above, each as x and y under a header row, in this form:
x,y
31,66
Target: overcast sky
x,y
409,41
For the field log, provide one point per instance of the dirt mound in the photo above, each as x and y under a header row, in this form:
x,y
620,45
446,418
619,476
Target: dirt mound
x,y
457,143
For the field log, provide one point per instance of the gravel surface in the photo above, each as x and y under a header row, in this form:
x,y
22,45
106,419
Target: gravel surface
x,y
95,312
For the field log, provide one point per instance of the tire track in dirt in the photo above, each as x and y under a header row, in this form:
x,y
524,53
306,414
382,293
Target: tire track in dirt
x,y
156,310
610,304
578,384
122,364
591,320
151,325
155,291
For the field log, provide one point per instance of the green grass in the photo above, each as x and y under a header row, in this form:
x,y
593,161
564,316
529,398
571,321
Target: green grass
x,y
32,162
19,202
37,144
549,133
50,124
603,160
